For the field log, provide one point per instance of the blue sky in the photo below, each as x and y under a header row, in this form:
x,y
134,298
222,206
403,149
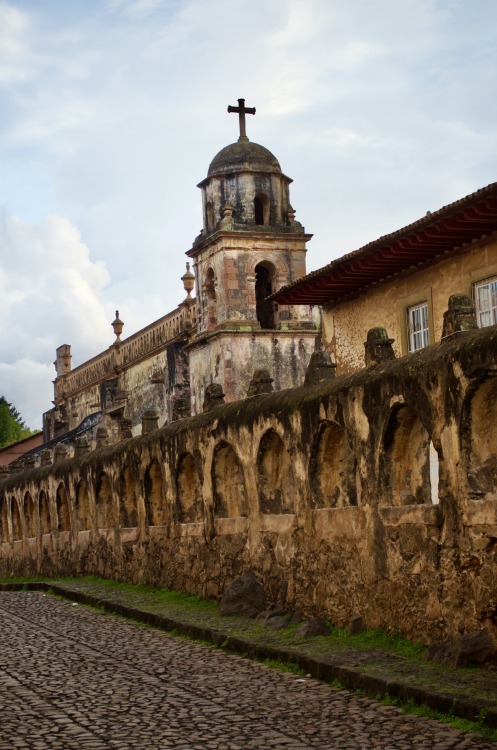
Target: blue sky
x,y
113,109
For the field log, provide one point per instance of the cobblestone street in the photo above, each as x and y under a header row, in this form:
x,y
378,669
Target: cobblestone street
x,y
71,678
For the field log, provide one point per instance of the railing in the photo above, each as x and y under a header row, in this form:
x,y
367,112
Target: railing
x,y
90,372
156,335
141,344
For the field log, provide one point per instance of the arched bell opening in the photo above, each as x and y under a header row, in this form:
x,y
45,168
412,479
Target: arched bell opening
x,y
264,287
209,216
261,210
210,297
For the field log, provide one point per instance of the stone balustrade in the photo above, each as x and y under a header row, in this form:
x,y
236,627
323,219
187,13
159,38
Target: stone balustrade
x,y
125,354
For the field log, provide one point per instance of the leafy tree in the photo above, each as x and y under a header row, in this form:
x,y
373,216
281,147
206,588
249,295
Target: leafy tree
x,y
12,427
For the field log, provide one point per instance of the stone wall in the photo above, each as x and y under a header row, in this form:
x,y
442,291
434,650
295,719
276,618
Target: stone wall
x,y
329,493
231,357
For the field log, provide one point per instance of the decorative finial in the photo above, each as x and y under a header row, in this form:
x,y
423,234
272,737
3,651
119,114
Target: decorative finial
x,y
117,325
188,280
242,111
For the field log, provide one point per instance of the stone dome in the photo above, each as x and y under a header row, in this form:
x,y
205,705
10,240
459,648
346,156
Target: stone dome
x,y
243,156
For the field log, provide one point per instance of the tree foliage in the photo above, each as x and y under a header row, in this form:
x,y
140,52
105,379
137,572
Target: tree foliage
x,y
12,427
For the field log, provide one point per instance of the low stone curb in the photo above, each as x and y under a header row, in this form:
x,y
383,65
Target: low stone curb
x,y
325,670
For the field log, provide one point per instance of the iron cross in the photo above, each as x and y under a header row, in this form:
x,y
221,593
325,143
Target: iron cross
x,y
242,111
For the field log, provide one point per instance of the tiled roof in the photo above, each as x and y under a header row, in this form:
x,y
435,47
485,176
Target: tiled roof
x,y
418,244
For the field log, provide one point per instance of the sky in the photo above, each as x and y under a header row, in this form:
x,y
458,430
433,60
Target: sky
x,y
111,111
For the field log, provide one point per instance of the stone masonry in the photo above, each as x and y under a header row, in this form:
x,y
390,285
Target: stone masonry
x,y
371,493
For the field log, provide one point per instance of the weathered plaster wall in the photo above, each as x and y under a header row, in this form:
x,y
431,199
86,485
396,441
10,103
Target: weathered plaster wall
x,y
149,383
239,190
146,370
232,357
153,383
324,492
230,261
346,324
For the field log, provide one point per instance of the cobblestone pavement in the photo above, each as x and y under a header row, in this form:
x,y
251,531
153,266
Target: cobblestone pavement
x,y
71,678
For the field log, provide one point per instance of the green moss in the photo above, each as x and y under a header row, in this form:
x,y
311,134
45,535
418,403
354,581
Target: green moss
x,y
378,639
283,666
419,709
155,596
22,579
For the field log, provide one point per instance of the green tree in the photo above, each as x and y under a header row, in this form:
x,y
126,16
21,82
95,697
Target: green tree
x,y
12,427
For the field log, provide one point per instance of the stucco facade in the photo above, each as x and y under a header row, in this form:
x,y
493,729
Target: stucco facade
x,y
345,324
401,281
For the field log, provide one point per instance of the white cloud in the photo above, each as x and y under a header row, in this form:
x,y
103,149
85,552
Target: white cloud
x,y
111,112
27,384
53,295
136,8
14,52
51,123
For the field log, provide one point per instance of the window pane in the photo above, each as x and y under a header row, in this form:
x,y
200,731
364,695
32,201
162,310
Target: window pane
x,y
483,298
485,319
486,302
418,328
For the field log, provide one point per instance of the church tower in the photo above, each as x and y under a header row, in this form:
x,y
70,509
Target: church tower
x,y
250,246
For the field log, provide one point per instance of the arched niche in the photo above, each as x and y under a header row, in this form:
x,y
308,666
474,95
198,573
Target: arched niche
x,y
274,475
264,287
44,510
333,468
189,490
228,485
405,459
128,511
82,507
479,440
16,520
30,518
62,505
4,523
155,496
104,502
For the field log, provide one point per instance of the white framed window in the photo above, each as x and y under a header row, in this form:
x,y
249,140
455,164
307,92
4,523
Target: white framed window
x,y
418,332
485,293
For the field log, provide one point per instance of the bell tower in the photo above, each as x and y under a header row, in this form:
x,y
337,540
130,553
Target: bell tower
x,y
249,247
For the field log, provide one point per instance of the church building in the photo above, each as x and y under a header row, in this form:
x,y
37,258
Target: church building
x,y
208,349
